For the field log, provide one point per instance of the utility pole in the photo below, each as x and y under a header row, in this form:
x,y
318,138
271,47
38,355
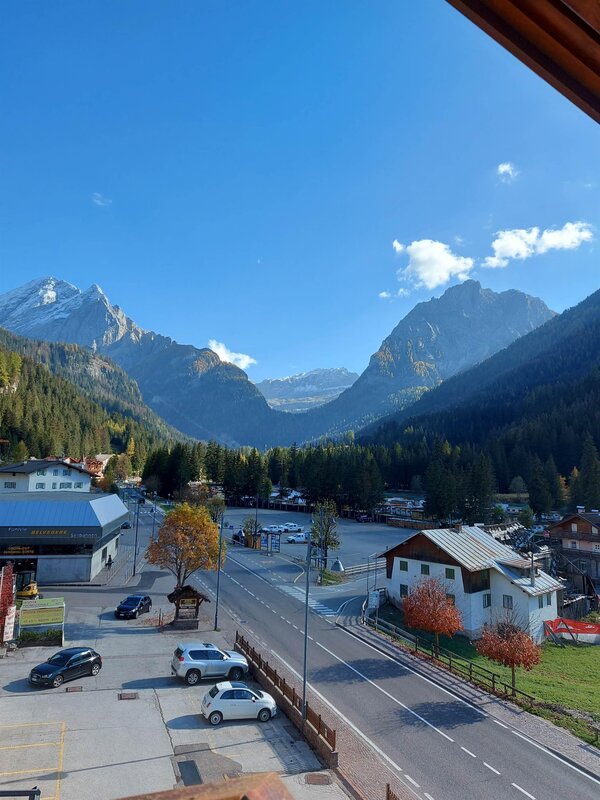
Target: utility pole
x,y
307,590
137,522
219,573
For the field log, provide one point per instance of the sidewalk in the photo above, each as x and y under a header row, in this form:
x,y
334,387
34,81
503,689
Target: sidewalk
x,y
555,739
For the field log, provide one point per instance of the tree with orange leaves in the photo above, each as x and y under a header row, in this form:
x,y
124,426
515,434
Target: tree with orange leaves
x,y
506,643
429,608
188,540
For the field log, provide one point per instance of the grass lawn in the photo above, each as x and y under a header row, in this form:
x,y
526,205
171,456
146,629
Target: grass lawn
x,y
566,676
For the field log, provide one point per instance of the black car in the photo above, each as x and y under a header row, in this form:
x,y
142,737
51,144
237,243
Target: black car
x,y
126,525
66,665
133,605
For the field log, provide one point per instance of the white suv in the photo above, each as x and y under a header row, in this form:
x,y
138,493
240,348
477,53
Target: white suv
x,y
193,661
291,527
235,700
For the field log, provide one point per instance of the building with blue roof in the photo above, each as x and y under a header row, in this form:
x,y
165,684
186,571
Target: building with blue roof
x,y
60,537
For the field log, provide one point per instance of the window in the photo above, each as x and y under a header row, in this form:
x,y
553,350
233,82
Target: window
x,y
403,566
487,600
507,602
594,529
41,472
449,574
10,484
549,599
66,471
424,569
403,590
54,484
228,695
597,547
541,601
41,485
451,598
55,472
573,545
574,527
66,485
78,485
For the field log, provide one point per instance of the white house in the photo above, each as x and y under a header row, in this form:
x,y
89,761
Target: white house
x,y
486,579
41,475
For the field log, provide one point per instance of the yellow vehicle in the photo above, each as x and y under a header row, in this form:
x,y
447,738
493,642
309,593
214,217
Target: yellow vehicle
x,y
28,592
26,585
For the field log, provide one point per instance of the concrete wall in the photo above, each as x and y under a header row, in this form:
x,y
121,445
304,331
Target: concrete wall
x,y
98,562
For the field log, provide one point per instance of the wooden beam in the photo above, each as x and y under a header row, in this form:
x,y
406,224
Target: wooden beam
x,y
261,786
558,39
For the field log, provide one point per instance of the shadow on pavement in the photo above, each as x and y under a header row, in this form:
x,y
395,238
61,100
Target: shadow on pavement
x,y
20,686
452,714
186,722
372,668
158,682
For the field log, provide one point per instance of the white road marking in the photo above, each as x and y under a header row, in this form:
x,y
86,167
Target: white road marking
x,y
516,785
383,691
417,674
502,725
468,752
485,764
558,758
389,763
412,780
428,796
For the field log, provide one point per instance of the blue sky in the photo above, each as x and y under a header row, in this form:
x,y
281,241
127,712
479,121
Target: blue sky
x,y
239,171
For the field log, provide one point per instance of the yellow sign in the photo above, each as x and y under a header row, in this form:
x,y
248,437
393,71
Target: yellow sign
x,y
188,601
50,611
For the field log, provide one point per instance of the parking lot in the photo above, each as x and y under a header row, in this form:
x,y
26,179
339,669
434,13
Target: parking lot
x,y
132,728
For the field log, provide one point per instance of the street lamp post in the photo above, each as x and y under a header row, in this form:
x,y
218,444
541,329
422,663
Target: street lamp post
x,y
307,589
135,546
219,573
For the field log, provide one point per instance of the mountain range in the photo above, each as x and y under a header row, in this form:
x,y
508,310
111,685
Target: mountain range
x,y
206,398
307,390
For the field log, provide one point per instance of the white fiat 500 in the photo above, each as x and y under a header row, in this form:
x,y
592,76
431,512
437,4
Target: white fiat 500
x,y
235,700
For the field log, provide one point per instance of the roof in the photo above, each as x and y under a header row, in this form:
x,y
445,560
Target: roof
x,y
474,549
60,509
543,582
588,516
35,464
557,39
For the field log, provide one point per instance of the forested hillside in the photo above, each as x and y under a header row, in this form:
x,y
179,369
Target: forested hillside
x,y
96,376
43,414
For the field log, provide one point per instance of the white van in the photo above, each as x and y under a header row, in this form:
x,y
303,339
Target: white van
x,y
298,538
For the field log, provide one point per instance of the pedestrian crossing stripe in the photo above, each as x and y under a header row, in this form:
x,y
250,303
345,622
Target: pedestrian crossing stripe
x,y
314,605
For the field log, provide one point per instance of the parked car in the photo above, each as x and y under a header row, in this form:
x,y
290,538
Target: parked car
x,y
292,527
273,529
298,538
193,661
363,518
126,525
66,665
235,700
133,606
237,537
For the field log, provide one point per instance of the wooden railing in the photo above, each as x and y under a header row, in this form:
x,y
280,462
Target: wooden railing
x,y
289,692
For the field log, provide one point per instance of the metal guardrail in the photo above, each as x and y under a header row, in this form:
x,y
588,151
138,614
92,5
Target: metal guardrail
x,y
373,566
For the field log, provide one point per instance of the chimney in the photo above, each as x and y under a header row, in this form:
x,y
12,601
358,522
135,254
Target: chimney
x,y
458,527
532,569
580,509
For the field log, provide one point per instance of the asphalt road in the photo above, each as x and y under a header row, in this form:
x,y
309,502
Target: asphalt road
x,y
440,746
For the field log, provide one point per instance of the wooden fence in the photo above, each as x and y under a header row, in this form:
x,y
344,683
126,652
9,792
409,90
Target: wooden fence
x,y
321,728
472,672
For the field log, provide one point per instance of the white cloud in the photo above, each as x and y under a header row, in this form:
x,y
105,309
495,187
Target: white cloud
x,y
99,199
240,360
433,264
384,295
398,248
521,243
507,172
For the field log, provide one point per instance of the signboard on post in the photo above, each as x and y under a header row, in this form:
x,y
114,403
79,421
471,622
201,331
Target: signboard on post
x,y
9,624
373,601
42,612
